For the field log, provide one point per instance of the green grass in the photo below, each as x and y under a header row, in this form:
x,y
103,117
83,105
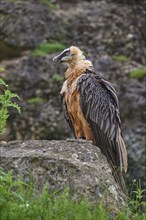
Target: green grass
x,y
120,58
35,100
138,73
47,48
19,200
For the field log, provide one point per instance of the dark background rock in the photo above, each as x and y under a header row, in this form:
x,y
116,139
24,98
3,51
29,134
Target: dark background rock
x,y
79,166
102,29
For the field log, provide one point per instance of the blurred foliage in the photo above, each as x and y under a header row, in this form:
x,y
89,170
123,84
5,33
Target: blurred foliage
x,y
47,48
120,58
138,73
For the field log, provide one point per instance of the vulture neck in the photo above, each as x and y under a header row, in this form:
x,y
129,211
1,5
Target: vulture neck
x,y
77,67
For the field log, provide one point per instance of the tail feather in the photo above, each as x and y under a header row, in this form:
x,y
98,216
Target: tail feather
x,y
122,150
118,175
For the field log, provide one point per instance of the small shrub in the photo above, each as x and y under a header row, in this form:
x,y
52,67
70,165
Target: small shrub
x,y
138,73
6,97
47,48
136,200
120,58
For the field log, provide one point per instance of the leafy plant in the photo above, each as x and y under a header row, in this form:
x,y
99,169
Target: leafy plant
x,y
120,58
137,202
138,73
47,48
6,97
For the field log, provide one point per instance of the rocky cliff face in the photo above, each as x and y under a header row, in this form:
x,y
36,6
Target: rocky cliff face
x,y
112,34
79,166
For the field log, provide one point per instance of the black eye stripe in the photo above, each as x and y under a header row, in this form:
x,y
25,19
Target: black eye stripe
x,y
66,52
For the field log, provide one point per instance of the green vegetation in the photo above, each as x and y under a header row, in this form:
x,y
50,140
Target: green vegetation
x,y
19,200
138,194
57,78
138,73
120,58
2,69
6,97
35,100
47,48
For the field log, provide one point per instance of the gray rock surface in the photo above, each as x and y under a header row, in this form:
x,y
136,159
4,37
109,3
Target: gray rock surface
x,y
117,28
79,166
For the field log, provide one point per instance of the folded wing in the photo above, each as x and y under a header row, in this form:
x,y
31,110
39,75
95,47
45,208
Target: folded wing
x,y
99,104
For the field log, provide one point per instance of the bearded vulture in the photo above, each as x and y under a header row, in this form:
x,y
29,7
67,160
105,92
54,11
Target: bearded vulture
x,y
91,108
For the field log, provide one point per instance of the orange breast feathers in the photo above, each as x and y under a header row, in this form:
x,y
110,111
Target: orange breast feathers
x,y
71,98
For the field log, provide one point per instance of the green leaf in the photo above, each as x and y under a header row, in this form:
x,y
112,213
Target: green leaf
x,y
14,105
2,82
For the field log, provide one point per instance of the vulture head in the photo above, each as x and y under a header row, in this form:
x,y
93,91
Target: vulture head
x,y
70,55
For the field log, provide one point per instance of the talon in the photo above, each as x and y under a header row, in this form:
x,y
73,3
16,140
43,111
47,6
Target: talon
x,y
79,140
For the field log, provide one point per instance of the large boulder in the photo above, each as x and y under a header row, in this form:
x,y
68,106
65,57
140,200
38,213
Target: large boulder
x,y
79,166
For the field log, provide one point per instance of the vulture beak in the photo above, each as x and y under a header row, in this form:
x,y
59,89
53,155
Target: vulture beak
x,y
56,58
64,57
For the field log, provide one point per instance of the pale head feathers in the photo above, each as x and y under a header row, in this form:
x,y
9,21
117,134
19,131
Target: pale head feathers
x,y
70,55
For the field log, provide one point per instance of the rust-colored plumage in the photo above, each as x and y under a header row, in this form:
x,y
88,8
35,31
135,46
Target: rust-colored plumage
x,y
91,108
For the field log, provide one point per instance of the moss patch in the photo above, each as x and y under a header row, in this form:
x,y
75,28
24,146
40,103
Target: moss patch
x,y
57,78
138,73
120,58
47,48
35,101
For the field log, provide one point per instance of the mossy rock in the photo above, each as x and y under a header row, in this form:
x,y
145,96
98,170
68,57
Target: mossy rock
x,y
47,48
120,58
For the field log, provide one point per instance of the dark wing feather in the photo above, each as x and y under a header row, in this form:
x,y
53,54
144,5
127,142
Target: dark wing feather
x,y
99,104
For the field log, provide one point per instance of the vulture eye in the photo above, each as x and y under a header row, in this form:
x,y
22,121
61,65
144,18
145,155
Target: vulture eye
x,y
67,53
